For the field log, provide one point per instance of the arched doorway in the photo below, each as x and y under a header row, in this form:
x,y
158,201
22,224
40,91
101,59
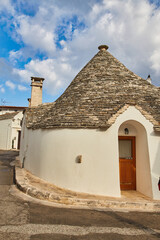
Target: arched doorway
x,y
134,165
127,162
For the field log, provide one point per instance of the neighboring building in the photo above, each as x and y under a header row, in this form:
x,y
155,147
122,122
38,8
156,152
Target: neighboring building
x,y
10,127
101,136
8,109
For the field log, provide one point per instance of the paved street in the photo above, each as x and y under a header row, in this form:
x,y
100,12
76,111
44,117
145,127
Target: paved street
x,y
22,217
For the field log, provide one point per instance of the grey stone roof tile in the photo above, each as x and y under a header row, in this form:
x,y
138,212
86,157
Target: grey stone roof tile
x,y
96,94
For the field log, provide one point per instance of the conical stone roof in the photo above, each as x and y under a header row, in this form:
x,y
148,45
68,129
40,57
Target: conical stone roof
x,y
101,90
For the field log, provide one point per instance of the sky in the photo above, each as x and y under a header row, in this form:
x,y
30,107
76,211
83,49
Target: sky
x,y
54,39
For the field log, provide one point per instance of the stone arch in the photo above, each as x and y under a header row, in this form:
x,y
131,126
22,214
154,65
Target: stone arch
x,y
143,171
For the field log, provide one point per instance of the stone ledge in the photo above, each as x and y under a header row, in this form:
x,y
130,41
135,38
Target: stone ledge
x,y
25,182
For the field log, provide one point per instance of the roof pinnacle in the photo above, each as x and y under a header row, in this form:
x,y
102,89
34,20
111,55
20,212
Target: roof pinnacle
x,y
103,47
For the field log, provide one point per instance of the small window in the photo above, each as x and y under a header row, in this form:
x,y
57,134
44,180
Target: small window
x,y
125,148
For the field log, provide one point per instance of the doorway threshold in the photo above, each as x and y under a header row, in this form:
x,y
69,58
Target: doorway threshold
x,y
132,195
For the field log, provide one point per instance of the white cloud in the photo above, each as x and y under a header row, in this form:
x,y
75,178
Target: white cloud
x,y
129,27
6,5
57,73
2,89
35,35
14,56
11,85
22,88
40,31
155,60
5,70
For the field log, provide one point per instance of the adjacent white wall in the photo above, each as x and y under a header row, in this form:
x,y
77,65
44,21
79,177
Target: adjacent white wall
x,y
5,134
9,132
2,111
154,153
16,127
52,155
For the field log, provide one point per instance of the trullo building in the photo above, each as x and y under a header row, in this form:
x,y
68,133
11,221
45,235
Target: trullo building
x,y
101,136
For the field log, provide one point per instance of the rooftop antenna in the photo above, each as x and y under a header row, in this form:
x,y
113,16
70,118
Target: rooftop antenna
x,y
3,102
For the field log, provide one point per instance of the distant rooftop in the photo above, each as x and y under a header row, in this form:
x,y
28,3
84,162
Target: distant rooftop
x,y
8,115
12,107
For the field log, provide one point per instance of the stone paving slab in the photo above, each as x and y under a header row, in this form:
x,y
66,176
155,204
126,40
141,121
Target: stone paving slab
x,y
37,188
6,175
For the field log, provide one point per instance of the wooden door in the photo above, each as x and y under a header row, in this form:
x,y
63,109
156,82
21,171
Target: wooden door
x,y
127,163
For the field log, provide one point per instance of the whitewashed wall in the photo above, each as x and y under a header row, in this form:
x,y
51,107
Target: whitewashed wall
x,y
6,111
9,132
5,134
16,127
51,155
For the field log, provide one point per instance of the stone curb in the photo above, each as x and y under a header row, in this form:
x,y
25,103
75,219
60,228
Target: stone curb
x,y
25,186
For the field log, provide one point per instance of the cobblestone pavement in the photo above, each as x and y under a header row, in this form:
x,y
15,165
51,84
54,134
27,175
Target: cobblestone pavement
x,y
22,217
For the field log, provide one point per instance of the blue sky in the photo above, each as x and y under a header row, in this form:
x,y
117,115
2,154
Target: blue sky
x,y
55,39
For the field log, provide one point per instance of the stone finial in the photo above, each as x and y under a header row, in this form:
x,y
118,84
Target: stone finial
x,y
103,47
36,94
149,79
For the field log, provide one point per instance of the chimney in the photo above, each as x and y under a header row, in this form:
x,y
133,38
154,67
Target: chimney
x,y
149,79
36,94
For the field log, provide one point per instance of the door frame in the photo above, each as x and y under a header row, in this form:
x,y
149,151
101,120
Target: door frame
x,y
133,138
19,139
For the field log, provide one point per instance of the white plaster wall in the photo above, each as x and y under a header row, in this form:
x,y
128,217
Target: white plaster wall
x,y
51,155
9,131
16,126
24,142
6,111
154,152
5,134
